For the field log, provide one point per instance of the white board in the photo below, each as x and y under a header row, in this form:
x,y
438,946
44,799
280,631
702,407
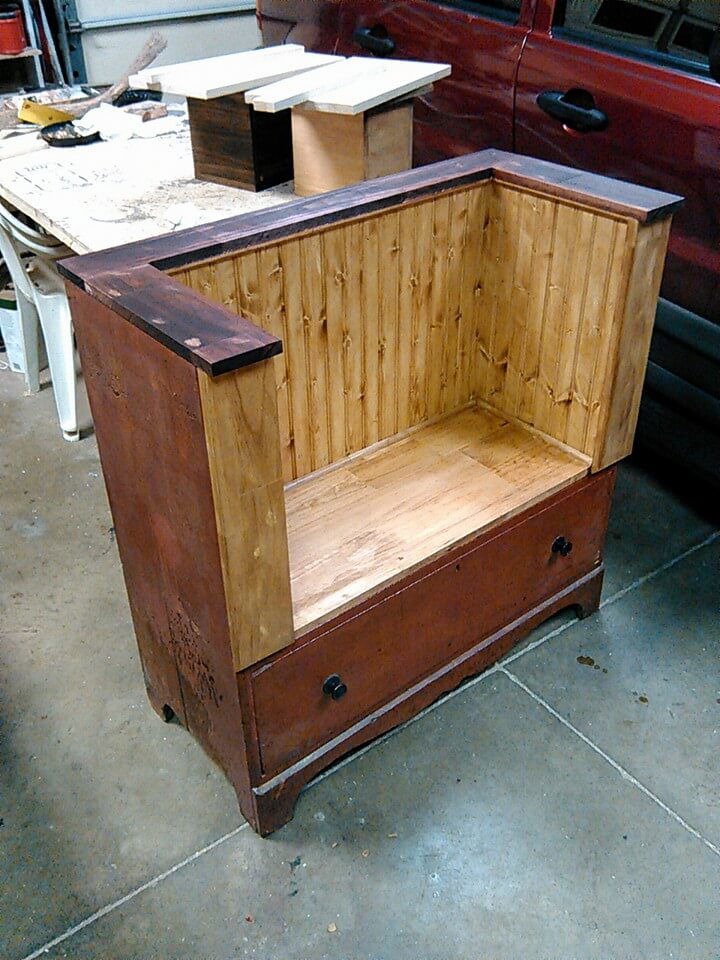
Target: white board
x,y
156,73
233,73
351,87
302,87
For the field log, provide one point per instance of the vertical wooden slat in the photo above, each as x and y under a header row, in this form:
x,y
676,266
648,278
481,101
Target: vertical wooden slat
x,y
334,257
506,265
353,339
226,284
421,301
370,315
273,320
389,248
487,303
408,270
527,226
453,300
289,254
553,316
472,281
437,317
595,321
543,244
313,316
248,286
572,321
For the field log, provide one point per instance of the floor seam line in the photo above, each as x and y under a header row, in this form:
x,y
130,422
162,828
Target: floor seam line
x,y
121,901
618,595
625,774
496,668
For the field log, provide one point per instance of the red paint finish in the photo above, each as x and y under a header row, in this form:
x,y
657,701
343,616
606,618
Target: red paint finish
x,y
12,32
314,23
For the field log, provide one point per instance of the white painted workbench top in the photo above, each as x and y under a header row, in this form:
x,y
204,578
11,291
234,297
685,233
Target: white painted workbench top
x,y
103,194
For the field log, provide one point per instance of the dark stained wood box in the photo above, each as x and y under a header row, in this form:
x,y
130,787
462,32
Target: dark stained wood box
x,y
238,146
359,445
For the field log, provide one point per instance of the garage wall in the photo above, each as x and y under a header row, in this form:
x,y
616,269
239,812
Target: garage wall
x,y
112,33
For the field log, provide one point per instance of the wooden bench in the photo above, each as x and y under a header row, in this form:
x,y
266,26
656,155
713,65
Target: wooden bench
x,y
357,446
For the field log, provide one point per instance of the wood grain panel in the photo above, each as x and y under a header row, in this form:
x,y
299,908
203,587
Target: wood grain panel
x,y
366,522
493,293
378,319
241,432
633,344
553,314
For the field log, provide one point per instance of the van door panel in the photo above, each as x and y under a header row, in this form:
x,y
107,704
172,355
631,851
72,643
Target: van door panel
x,y
663,131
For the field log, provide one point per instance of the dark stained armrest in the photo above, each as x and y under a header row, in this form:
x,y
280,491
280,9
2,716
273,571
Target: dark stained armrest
x,y
204,333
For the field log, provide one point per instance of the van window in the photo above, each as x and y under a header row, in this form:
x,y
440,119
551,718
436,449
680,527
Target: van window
x,y
508,10
677,33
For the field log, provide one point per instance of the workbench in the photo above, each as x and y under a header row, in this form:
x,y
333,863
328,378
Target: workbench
x,y
105,194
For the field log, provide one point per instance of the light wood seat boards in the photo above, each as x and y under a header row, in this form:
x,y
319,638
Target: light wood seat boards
x,y
351,120
364,523
359,445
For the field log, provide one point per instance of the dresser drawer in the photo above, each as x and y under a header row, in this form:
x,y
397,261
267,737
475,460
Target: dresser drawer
x,y
411,629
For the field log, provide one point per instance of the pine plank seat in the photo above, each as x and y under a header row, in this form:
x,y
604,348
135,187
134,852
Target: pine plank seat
x,y
356,447
362,525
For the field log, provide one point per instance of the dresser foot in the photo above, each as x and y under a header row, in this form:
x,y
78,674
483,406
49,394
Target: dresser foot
x,y
587,600
275,801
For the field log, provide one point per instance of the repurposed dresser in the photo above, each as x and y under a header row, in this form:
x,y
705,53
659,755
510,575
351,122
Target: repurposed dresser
x,y
359,445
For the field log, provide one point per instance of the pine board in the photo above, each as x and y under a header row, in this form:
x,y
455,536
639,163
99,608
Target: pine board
x,y
233,73
350,87
364,523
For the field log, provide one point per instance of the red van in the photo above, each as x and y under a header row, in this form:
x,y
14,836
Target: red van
x,y
619,87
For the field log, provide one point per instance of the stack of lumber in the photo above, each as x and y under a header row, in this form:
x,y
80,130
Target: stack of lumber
x,y
351,86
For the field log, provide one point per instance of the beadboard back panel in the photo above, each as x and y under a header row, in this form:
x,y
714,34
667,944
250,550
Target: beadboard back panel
x,y
378,318
493,292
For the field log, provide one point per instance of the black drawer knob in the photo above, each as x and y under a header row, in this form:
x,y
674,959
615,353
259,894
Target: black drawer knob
x,y
334,687
562,546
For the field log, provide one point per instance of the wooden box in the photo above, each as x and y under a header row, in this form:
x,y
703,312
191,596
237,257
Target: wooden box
x,y
332,150
357,446
234,144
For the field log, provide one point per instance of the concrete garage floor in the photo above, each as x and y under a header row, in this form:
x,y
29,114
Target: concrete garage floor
x,y
553,808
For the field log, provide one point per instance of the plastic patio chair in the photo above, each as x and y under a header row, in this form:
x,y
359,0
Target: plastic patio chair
x,y
41,296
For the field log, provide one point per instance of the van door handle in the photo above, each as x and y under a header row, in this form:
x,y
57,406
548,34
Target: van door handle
x,y
375,39
584,117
